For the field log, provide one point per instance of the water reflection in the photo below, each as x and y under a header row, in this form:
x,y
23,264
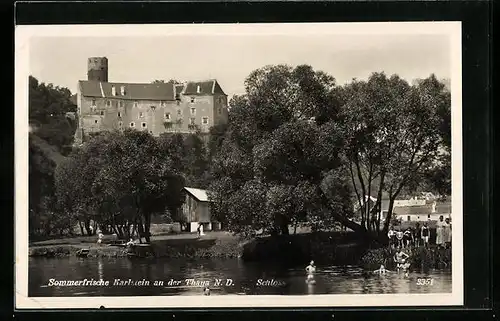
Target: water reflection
x,y
248,278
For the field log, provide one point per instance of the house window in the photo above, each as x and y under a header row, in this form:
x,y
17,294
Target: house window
x,y
119,114
93,102
192,99
144,125
121,103
409,219
204,120
192,121
141,114
108,103
193,111
135,103
102,113
167,116
132,124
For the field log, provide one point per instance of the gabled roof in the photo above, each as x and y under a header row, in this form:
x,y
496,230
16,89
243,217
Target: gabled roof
x,y
133,91
206,87
199,194
441,208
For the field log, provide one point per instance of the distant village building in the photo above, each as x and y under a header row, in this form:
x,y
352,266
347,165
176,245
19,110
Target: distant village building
x,y
154,107
425,209
196,210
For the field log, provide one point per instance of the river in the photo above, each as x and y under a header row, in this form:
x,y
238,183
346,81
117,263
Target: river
x,y
244,276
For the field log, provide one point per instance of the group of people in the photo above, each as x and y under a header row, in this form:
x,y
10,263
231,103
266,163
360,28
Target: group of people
x,y
420,235
402,264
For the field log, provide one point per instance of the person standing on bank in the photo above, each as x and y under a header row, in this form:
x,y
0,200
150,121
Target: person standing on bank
x,y
425,233
440,232
447,232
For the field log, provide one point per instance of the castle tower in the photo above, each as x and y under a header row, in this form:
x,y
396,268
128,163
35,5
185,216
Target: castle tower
x,y
97,69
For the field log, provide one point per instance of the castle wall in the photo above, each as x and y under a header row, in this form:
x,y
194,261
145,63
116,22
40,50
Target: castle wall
x,y
154,116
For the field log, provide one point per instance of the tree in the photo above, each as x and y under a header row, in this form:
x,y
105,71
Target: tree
x,y
48,105
394,131
126,179
279,141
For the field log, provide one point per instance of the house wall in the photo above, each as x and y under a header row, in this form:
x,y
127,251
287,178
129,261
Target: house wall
x,y
422,217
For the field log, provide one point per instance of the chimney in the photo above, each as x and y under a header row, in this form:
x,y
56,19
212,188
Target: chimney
x,y
198,89
122,90
113,91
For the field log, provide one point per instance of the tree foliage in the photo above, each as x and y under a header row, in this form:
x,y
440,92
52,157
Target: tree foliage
x,y
48,105
299,148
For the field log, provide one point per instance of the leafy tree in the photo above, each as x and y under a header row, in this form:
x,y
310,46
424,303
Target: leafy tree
x,y
127,179
394,131
48,105
279,141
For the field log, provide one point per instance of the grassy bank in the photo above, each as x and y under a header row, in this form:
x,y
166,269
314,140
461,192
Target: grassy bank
x,y
188,245
420,257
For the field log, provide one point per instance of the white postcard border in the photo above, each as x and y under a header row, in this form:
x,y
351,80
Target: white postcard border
x,y
22,38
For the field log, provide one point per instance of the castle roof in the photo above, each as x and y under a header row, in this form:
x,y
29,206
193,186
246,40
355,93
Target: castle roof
x,y
206,87
151,91
133,91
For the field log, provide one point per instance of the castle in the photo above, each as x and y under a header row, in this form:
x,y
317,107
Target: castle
x,y
154,107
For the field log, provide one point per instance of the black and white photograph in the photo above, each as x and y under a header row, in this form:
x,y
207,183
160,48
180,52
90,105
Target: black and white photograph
x,y
238,165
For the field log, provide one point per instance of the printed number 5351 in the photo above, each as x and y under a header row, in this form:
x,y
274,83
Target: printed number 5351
x,y
425,281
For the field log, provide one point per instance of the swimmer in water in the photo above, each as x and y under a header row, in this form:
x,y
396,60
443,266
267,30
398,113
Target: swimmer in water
x,y
310,269
381,270
206,291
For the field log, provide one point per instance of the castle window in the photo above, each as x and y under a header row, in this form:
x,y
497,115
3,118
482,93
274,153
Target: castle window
x,y
178,102
409,218
132,124
96,121
102,113
192,99
108,103
121,104
144,125
167,116
198,89
120,124
219,110
204,120
162,103
135,103
179,112
192,121
141,115
193,111
119,114
93,102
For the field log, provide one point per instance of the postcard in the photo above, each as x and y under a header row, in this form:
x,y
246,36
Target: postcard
x,y
238,165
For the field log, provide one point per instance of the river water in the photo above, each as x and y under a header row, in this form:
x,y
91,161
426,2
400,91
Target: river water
x,y
244,278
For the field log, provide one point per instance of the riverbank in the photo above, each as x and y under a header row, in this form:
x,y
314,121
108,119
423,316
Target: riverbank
x,y
421,257
188,245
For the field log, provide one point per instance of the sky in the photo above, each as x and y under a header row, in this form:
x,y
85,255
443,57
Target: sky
x,y
62,60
